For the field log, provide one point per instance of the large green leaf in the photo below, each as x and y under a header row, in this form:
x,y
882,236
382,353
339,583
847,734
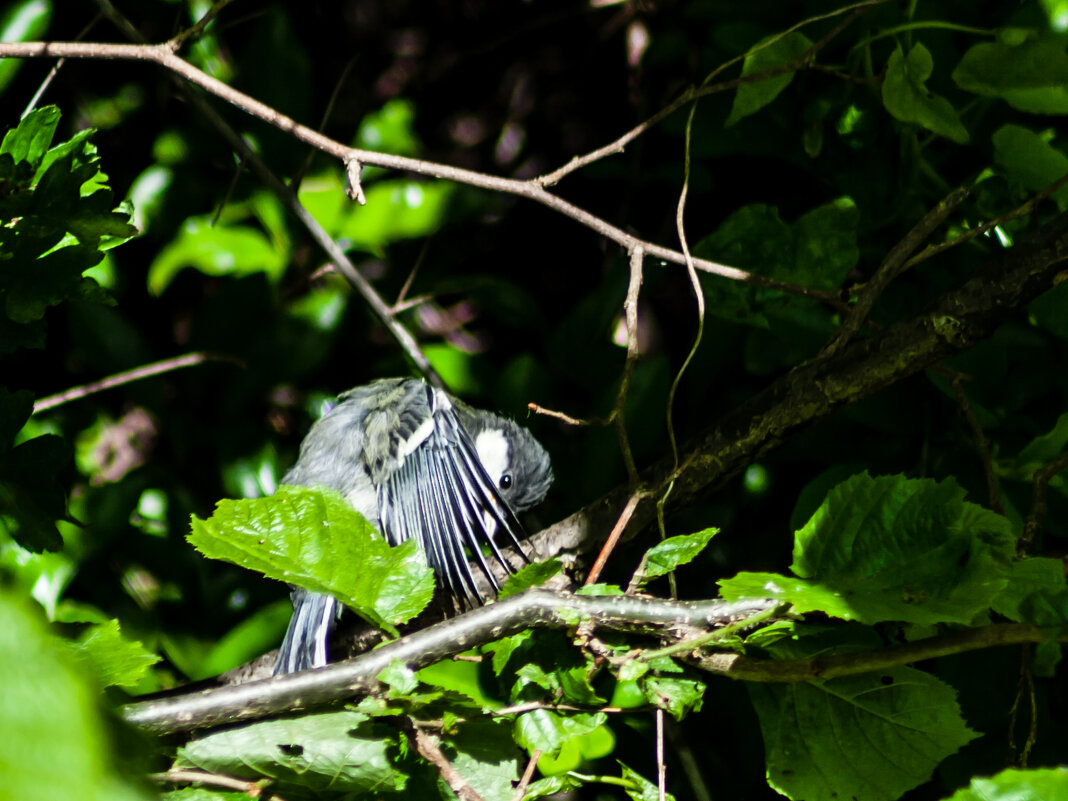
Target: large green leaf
x,y
315,539
343,752
872,736
1030,160
1031,76
114,659
55,742
892,548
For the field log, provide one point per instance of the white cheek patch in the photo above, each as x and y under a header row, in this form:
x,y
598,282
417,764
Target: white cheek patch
x,y
492,450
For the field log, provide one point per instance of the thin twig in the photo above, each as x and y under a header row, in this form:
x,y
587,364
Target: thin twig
x,y
630,314
253,789
528,774
613,538
128,377
428,749
661,766
979,230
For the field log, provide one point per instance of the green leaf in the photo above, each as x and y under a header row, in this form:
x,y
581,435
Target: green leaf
x,y
1030,161
872,736
892,548
335,751
1031,76
396,209
315,539
907,98
216,250
751,97
1014,784
30,139
115,660
639,788
24,21
666,556
533,575
50,717
548,731
673,694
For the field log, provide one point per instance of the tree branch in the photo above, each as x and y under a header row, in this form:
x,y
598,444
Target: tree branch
x,y
164,56
258,699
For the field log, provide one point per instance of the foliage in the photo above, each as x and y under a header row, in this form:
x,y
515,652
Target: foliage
x,y
908,526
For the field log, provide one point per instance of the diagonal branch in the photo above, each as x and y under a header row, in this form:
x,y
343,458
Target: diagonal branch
x,y
957,321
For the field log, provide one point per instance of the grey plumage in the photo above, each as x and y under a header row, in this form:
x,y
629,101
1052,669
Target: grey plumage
x,y
417,462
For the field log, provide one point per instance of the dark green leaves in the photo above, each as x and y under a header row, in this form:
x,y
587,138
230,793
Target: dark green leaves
x,y
1031,76
62,223
315,539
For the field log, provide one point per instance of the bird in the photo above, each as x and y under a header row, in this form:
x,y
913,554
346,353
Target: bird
x,y
418,463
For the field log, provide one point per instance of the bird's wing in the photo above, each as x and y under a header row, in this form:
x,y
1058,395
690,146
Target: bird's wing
x,y
439,493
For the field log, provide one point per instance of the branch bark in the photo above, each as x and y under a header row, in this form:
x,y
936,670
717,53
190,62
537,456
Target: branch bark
x,y
955,322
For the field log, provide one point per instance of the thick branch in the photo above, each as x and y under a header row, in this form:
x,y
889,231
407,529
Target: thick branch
x,y
957,321
258,699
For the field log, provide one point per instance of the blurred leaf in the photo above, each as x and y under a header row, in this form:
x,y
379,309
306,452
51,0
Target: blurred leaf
x,y
1014,784
50,718
1031,76
113,659
872,736
315,539
390,129
751,97
908,99
331,752
1026,577
216,250
949,562
396,209
250,638
1030,161
23,21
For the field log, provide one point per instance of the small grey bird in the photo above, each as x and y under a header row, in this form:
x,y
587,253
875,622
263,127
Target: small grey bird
x,y
417,462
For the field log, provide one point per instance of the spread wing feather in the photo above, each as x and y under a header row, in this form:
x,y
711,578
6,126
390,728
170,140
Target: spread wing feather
x,y
441,495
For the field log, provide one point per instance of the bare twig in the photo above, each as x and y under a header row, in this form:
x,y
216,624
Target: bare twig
x,y
528,774
613,538
427,746
164,56
253,789
127,377
661,766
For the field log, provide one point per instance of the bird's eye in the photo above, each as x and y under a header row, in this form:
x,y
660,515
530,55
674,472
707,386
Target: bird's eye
x,y
506,481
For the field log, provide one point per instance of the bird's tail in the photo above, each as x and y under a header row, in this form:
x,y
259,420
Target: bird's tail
x,y
304,646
